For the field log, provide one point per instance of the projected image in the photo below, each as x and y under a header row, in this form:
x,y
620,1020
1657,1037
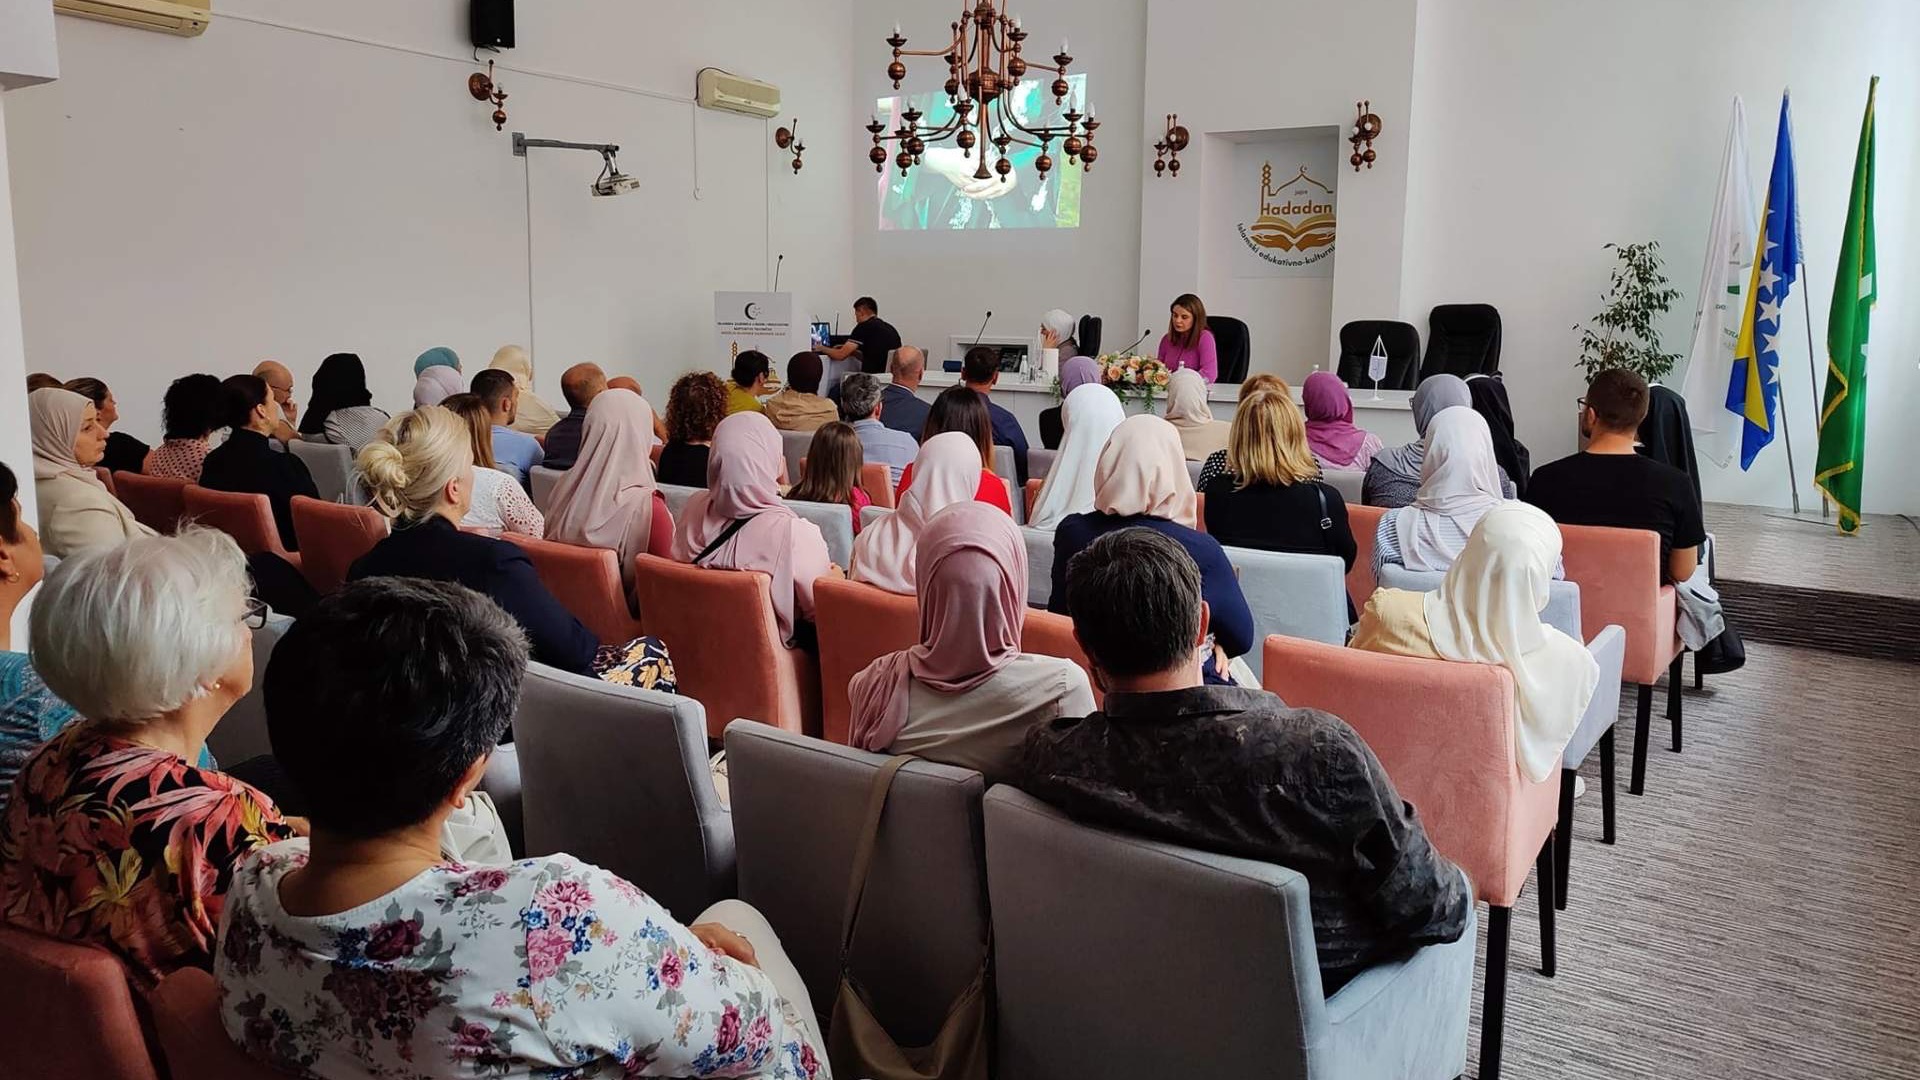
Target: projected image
x,y
941,192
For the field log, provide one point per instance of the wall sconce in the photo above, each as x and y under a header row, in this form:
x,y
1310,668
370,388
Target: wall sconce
x,y
1366,128
1166,152
788,139
484,89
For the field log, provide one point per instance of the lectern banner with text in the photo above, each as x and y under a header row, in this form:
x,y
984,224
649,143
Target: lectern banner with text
x,y
1282,208
756,320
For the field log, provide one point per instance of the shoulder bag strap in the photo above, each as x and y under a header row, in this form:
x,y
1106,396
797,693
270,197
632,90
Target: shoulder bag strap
x,y
863,854
721,540
1326,520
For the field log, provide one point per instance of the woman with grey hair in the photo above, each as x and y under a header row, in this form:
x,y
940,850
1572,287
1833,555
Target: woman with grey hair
x,y
114,837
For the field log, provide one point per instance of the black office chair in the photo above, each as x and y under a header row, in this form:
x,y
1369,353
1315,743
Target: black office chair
x,y
1232,347
1463,340
1089,336
1402,342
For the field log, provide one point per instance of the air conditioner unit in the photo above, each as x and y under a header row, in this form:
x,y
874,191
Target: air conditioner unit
x,y
186,20
731,93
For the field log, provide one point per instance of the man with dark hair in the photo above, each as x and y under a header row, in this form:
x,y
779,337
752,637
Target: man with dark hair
x,y
980,369
579,384
247,461
1234,770
514,452
1609,484
860,406
798,406
751,370
873,337
901,408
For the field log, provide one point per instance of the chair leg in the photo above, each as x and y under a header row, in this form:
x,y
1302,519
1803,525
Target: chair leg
x,y
1493,1004
1699,677
1545,886
1563,842
1642,717
1606,787
1675,676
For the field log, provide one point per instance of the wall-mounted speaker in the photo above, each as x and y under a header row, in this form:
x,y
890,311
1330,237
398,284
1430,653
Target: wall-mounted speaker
x,y
492,24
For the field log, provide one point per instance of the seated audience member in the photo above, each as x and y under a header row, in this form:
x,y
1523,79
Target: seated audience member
x,y
438,356
1336,442
860,407
751,370
606,499
40,380
190,413
695,406
248,463
1216,462
1666,433
1056,332
30,714
124,452
1393,476
1609,484
1487,611
798,406
966,695
112,837
1233,770
1074,374
980,370
514,453
832,473
420,474
1141,480
76,510
628,382
279,381
1490,401
960,409
579,385
1271,497
341,410
436,375
499,504
948,471
740,523
531,415
1187,410
1089,415
414,964
900,407
1459,483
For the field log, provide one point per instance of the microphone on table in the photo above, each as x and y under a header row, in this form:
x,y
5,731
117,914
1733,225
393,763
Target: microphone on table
x,y
1137,341
776,271
982,332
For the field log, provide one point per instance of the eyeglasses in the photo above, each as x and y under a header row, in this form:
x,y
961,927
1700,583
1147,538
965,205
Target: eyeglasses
x,y
1580,403
255,616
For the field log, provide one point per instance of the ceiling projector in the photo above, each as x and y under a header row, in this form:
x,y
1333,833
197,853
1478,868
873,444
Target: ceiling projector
x,y
617,183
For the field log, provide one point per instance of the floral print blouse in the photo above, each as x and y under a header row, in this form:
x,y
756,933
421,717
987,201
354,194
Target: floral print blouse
x,y
112,843
547,967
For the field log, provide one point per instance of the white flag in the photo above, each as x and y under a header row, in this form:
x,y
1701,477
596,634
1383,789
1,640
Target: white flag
x,y
1716,321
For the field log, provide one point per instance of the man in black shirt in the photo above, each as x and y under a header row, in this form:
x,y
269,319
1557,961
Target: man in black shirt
x,y
1609,484
1234,770
579,384
873,337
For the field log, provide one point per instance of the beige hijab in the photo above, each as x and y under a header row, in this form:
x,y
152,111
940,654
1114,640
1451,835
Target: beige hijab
x,y
606,499
1200,434
1143,471
946,472
55,417
535,416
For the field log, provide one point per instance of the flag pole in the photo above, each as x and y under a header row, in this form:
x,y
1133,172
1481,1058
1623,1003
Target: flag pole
x,y
1813,380
1793,478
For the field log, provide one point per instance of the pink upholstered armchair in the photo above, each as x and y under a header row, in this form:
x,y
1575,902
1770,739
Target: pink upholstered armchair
x,y
245,516
332,536
858,624
586,581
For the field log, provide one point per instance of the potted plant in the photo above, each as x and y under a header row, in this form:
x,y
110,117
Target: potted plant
x,y
1623,334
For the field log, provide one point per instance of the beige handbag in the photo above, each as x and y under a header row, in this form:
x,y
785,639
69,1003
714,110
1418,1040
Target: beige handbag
x,y
856,1042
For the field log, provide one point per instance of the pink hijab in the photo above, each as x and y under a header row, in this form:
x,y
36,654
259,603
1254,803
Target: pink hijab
x,y
946,472
1143,470
1330,429
743,475
972,578
606,499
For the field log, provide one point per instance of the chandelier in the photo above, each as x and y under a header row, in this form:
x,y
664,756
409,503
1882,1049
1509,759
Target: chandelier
x,y
984,68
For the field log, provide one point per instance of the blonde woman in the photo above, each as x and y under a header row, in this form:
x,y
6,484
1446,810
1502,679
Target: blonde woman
x,y
1271,497
499,502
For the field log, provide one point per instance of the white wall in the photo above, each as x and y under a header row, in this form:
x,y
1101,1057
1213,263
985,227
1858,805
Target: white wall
x,y
196,204
934,284
1542,131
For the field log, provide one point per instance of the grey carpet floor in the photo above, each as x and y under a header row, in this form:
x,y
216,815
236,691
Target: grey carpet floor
x,y
1760,914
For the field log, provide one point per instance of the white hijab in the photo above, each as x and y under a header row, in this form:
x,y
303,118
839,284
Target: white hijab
x,y
946,472
1488,611
1459,483
1089,415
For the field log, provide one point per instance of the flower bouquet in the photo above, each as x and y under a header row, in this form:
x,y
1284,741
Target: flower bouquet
x,y
1133,378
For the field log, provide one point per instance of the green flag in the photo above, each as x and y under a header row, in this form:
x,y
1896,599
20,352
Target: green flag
x,y
1843,409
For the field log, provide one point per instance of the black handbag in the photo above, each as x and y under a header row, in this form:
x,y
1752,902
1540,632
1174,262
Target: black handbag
x,y
1723,654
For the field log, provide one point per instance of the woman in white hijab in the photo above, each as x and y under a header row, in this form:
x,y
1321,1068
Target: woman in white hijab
x,y
1056,332
1090,414
947,471
534,416
1487,611
436,384
1200,434
1459,483
606,499
77,512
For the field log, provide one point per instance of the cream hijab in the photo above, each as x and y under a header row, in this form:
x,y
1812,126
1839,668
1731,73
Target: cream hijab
x,y
1089,415
1488,611
946,472
534,416
1459,483
1144,471
56,417
1200,434
606,499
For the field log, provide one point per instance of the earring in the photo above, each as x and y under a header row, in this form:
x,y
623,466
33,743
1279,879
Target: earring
x,y
13,577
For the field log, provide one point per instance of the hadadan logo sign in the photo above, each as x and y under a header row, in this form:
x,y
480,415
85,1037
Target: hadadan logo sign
x,y
1287,219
